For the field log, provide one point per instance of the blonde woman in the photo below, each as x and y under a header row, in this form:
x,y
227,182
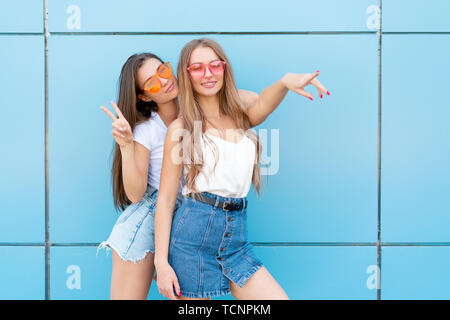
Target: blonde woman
x,y
205,252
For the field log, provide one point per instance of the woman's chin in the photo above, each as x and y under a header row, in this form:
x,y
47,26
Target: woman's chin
x,y
167,97
207,92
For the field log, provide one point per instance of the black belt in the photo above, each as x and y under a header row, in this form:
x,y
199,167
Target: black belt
x,y
224,205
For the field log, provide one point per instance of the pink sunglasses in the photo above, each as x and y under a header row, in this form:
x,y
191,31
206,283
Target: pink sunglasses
x,y
198,70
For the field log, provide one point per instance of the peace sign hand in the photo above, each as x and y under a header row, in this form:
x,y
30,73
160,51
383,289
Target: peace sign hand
x,y
121,128
296,83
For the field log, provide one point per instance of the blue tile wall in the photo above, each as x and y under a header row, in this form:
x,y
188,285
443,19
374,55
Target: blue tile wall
x,y
22,187
415,273
22,273
415,148
190,16
416,16
22,16
324,208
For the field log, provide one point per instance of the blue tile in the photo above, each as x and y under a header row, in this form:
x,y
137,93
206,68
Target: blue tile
x,y
415,273
80,273
416,16
416,140
325,188
23,173
22,273
205,16
322,273
22,16
333,197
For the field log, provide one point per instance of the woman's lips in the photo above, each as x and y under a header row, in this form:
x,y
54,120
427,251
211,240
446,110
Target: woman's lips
x,y
170,88
209,84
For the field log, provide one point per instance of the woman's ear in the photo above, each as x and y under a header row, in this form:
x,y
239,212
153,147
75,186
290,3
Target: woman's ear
x,y
144,98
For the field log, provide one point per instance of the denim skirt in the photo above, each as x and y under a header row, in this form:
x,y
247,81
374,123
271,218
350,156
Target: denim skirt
x,y
133,234
209,248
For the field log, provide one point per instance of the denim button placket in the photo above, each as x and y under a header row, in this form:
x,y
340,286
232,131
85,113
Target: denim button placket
x,y
226,239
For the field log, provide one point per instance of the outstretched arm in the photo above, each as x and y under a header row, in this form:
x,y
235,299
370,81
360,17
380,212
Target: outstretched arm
x,y
271,97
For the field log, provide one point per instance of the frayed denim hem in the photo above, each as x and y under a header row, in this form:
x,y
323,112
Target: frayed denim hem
x,y
248,275
108,246
207,294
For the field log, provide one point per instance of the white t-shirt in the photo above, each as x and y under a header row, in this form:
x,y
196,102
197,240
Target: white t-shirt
x,y
151,134
232,176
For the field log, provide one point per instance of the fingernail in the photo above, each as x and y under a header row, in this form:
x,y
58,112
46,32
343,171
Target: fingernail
x,y
179,293
328,93
310,98
320,96
317,71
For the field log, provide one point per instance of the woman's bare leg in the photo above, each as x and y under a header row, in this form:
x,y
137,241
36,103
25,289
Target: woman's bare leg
x,y
260,286
131,281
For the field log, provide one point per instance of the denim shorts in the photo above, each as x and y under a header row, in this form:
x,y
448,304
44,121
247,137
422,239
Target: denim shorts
x,y
133,234
209,247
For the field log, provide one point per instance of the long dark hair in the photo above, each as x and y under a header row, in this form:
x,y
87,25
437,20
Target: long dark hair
x,y
134,110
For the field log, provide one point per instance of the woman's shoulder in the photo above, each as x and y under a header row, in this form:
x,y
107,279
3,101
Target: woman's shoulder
x,y
148,123
176,124
149,130
249,98
142,121
175,130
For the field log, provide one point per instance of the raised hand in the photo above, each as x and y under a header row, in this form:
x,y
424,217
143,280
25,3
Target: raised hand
x,y
296,82
121,128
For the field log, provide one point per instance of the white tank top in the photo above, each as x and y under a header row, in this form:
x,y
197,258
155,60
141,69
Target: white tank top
x,y
232,176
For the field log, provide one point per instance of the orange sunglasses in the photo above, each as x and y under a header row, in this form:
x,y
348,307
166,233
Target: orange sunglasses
x,y
153,84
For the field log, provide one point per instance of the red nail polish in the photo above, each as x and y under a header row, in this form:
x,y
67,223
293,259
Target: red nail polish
x,y
317,71
328,93
320,96
310,98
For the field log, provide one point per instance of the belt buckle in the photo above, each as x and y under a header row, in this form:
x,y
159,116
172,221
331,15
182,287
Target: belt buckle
x,y
225,204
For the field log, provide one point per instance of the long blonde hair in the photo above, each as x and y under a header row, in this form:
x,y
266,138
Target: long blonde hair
x,y
229,104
